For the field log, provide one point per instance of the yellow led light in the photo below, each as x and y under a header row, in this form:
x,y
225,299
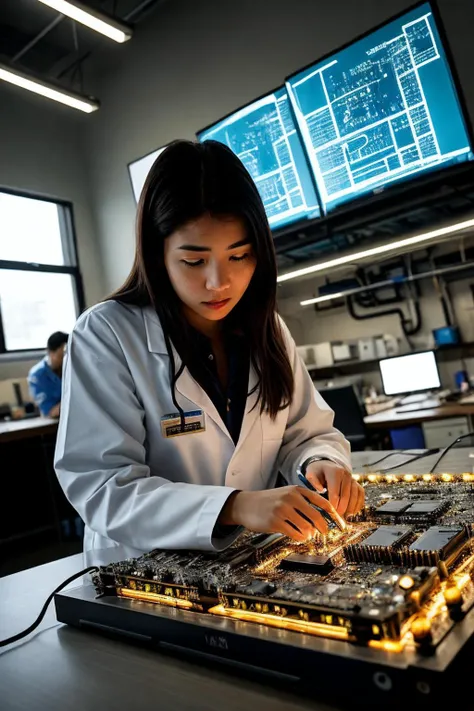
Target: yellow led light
x,y
388,645
372,477
356,477
315,628
421,627
409,477
452,596
406,582
154,597
427,477
468,477
447,477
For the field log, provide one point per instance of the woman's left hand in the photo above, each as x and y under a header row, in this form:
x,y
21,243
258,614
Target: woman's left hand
x,y
344,493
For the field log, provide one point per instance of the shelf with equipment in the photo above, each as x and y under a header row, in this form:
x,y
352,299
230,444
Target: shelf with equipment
x,y
354,366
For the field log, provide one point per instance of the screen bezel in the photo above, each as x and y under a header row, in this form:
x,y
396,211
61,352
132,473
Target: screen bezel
x,y
304,221
137,160
405,355
392,188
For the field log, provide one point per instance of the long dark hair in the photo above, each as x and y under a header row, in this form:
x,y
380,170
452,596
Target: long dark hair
x,y
189,180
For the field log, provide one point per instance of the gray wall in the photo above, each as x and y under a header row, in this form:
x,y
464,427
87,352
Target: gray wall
x,y
193,62
41,152
189,64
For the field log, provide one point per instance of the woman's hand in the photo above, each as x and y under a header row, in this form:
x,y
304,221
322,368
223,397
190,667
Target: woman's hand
x,y
345,494
285,510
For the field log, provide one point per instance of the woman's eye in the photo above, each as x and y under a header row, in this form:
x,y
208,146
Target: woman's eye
x,y
240,258
193,263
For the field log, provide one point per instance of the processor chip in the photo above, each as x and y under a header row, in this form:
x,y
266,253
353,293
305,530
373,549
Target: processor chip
x,y
388,536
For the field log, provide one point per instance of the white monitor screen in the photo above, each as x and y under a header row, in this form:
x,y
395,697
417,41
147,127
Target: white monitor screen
x,y
410,373
139,170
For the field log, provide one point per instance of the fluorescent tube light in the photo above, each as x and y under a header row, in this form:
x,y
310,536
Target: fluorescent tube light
x,y
107,26
47,89
326,297
381,249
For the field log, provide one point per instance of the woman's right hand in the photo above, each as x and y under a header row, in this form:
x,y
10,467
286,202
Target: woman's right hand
x,y
282,510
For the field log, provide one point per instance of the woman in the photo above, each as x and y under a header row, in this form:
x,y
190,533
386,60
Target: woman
x,y
185,405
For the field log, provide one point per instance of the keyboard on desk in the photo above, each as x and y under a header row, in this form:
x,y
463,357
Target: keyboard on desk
x,y
417,406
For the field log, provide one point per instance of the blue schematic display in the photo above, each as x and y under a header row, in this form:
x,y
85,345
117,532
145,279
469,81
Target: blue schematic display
x,y
381,110
263,135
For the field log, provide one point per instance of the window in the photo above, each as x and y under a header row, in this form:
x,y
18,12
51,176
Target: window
x,y
40,284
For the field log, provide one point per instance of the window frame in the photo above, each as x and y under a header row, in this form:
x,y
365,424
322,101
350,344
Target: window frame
x,y
69,247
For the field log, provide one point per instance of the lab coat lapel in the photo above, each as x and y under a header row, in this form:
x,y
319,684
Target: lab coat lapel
x,y
185,385
190,389
252,409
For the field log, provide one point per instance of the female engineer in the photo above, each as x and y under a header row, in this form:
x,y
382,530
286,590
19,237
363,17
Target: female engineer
x,y
186,412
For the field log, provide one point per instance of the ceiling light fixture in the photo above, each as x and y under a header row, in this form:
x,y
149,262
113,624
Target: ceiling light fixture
x,y
381,249
48,89
97,21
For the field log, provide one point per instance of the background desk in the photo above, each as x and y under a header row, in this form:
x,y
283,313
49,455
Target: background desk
x,y
31,531
24,429
390,419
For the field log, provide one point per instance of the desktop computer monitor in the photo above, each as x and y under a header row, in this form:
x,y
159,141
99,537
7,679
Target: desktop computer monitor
x,y
416,372
139,169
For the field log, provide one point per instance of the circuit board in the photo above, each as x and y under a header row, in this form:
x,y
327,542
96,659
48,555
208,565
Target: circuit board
x,y
398,578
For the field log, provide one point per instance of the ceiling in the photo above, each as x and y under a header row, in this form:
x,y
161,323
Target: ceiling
x,y
56,54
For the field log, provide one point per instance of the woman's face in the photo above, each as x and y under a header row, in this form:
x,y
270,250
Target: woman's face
x,y
210,263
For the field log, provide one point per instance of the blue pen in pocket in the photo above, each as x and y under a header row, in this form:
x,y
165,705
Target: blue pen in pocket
x,y
334,520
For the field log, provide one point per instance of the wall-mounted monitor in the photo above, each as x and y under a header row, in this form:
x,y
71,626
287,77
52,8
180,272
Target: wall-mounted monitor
x,y
139,169
263,135
410,373
384,108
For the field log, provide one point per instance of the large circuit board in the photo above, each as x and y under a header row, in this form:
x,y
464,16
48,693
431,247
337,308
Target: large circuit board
x,y
400,577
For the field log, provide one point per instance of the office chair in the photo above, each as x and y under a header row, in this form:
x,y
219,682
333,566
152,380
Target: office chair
x,y
348,414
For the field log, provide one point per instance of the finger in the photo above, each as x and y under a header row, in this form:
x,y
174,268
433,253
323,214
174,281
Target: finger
x,y
354,497
346,489
317,480
334,485
302,520
313,498
360,498
290,530
315,518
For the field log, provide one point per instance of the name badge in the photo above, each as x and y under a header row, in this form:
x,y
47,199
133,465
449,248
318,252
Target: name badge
x,y
193,422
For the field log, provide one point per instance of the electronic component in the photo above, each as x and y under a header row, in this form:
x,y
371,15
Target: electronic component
x,y
393,507
438,543
379,546
306,563
366,584
412,511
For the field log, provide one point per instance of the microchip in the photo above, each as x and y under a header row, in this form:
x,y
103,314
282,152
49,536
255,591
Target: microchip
x,y
394,507
440,540
424,507
388,536
321,564
260,587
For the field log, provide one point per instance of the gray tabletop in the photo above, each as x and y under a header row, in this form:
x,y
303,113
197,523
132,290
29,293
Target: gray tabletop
x,y
58,668
62,669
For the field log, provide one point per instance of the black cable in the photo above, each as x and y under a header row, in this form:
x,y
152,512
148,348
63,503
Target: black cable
x,y
459,439
391,454
428,453
20,635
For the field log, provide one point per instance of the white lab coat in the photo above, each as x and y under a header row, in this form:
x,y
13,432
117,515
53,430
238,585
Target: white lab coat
x,y
130,484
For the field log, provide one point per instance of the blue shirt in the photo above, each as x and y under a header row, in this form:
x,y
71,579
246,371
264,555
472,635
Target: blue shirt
x,y
45,386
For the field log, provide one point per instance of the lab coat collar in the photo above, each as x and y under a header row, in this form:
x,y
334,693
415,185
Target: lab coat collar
x,y
190,389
